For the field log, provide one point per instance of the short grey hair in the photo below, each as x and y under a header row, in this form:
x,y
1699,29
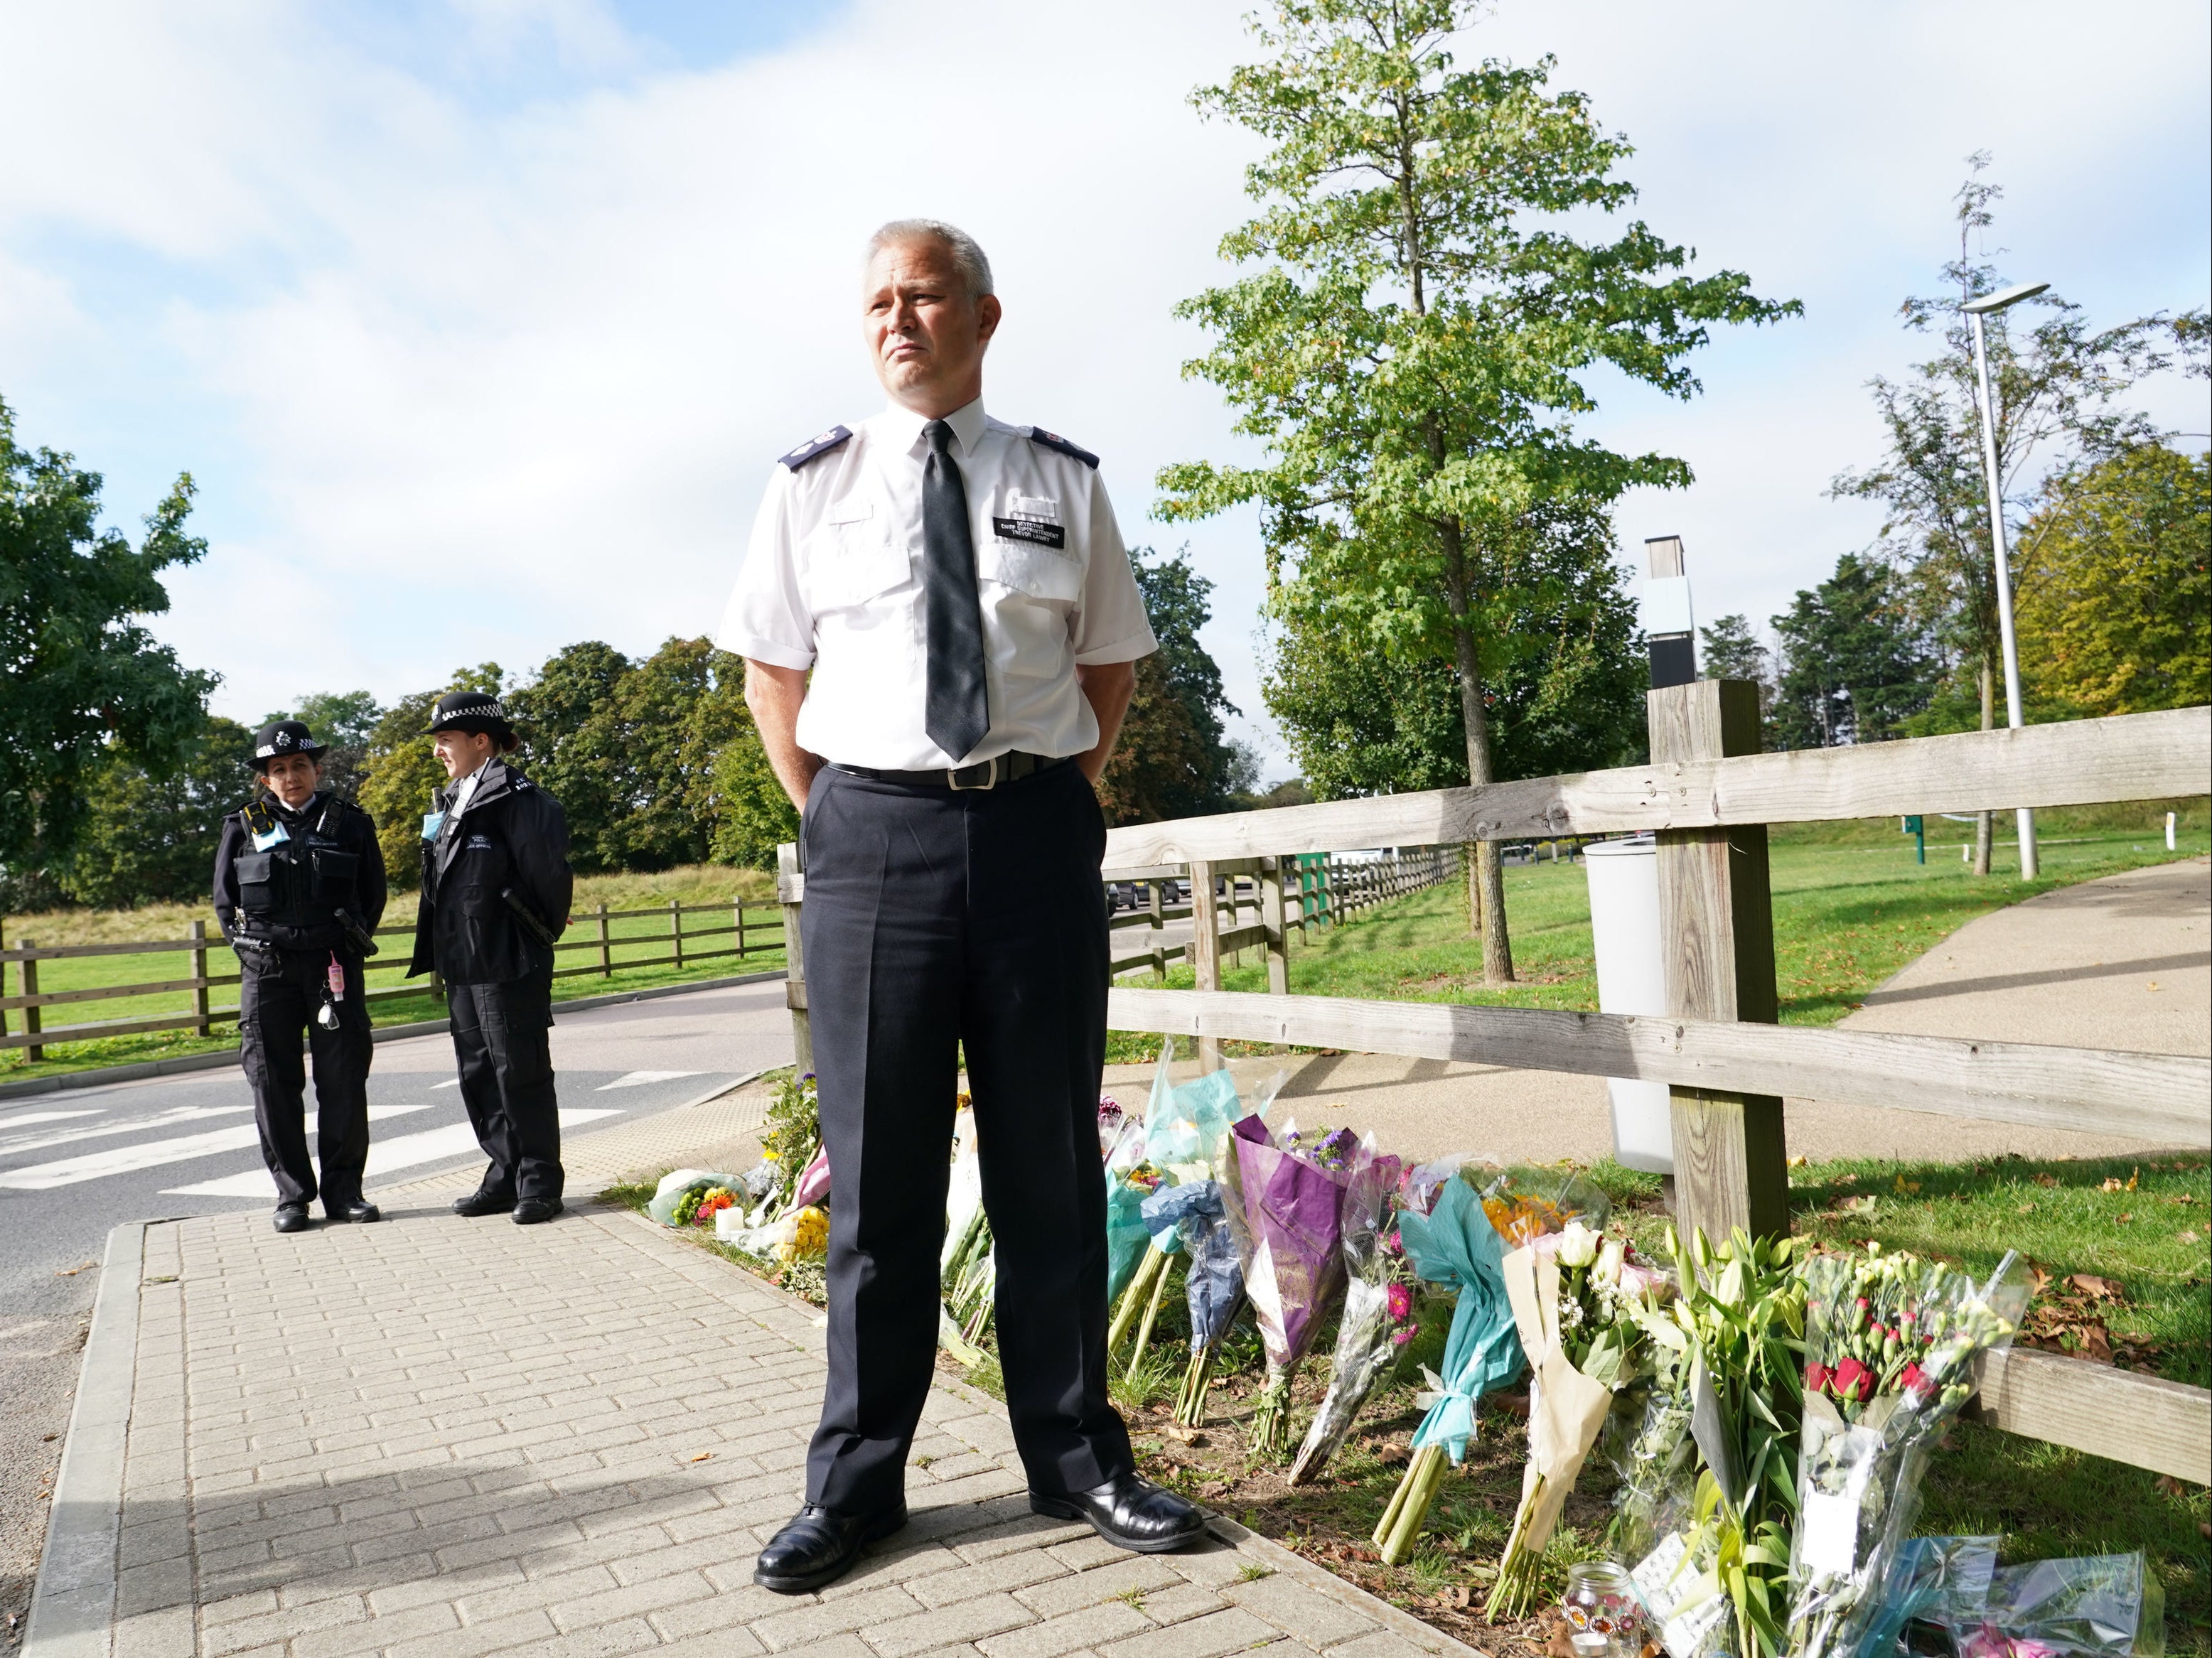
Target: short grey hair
x,y
968,255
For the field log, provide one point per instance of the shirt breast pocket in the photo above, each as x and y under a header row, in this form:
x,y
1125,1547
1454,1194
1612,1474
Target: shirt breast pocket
x,y
1044,574
848,564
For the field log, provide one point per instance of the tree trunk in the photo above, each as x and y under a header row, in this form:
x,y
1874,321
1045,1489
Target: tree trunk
x,y
1470,856
1490,877
1983,836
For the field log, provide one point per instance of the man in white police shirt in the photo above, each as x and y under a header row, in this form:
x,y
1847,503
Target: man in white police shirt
x,y
958,589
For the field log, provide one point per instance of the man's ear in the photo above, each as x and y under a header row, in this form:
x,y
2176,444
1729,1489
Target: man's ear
x,y
987,316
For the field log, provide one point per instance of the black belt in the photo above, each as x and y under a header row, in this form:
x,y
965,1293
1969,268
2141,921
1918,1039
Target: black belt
x,y
983,774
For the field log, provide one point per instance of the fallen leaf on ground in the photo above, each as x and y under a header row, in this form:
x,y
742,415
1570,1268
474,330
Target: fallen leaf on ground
x,y
2168,1486
2097,1289
2112,1184
703,1456
2047,1179
1183,1436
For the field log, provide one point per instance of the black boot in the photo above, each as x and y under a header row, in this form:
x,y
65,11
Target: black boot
x,y
819,1546
1129,1512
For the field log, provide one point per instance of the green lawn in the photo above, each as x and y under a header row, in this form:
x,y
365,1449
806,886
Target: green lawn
x,y
634,939
1851,907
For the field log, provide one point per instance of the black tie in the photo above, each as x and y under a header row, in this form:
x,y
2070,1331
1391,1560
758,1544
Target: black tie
x,y
957,712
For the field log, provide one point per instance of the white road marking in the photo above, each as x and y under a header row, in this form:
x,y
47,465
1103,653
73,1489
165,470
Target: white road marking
x,y
25,1119
454,1082
108,1130
151,1154
431,1145
636,1079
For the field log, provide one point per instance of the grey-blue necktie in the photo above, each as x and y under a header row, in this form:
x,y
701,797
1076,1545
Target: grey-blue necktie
x,y
957,712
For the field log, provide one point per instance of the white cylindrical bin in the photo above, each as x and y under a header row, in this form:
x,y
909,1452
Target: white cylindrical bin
x,y
1624,895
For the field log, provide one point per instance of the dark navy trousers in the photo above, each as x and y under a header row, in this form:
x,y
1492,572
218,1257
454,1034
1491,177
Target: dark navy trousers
x,y
279,993
504,1049
936,921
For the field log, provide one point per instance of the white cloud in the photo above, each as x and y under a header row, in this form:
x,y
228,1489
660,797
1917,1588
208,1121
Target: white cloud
x,y
484,366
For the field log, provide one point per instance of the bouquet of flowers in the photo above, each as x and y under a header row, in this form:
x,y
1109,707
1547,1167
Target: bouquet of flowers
x,y
1454,1245
675,1201
1213,1283
1711,1482
1572,1293
1287,1218
1377,1318
1890,1343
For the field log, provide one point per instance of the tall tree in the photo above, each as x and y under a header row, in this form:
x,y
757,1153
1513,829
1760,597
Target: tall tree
x,y
151,839
1411,351
572,744
1856,663
85,684
1567,696
2057,385
1174,759
2116,604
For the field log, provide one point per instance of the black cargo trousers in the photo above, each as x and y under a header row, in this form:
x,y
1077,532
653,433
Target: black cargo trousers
x,y
933,919
279,993
504,1049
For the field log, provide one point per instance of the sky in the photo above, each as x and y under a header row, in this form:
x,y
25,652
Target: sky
x,y
479,324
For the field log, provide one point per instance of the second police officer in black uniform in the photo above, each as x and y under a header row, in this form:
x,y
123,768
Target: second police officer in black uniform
x,y
299,889
496,888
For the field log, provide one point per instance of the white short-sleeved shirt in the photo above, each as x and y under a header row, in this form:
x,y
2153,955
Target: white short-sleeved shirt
x,y
832,581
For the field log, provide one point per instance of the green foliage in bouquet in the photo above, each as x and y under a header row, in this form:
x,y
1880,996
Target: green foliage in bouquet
x,y
792,1133
1741,1319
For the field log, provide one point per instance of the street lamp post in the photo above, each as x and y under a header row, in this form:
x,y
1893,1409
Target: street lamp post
x,y
1976,310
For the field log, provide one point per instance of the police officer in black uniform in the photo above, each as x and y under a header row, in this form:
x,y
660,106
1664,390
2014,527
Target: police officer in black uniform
x,y
299,889
496,888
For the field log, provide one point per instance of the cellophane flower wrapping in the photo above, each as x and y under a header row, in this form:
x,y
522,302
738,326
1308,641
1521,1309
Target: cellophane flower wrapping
x,y
1286,1214
1456,1246
2099,1606
1657,1459
1890,1344
1376,1320
1213,1281
1180,1138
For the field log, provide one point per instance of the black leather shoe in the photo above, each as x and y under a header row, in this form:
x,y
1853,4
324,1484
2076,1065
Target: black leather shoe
x,y
819,1546
291,1218
1130,1513
535,1211
482,1202
360,1212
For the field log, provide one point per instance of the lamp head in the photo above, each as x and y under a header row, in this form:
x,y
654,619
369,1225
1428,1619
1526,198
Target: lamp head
x,y
2002,298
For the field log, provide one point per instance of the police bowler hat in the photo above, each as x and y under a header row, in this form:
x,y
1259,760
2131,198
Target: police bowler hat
x,y
472,711
282,737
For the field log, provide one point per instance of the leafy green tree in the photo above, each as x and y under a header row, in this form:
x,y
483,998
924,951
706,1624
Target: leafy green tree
x,y
1173,759
2057,385
345,721
573,744
677,710
85,684
752,814
148,839
1857,665
1412,351
2116,607
1568,697
401,771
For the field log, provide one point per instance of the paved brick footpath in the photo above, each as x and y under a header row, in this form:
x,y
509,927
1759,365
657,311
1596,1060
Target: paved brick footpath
x,y
452,1437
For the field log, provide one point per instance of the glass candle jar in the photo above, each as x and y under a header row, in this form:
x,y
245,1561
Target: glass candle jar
x,y
1601,1601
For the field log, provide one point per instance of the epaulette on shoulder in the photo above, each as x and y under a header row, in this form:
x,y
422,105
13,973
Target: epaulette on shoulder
x,y
814,448
1053,440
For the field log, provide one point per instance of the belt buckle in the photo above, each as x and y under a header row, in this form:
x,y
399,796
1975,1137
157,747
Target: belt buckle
x,y
989,767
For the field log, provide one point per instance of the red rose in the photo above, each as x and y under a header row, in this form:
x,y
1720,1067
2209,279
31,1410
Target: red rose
x,y
1854,1380
1817,1378
1913,1379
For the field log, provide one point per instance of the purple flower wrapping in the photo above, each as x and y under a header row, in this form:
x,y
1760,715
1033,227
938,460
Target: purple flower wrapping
x,y
1288,1213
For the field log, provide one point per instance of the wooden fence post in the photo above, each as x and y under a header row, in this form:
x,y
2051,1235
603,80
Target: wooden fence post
x,y
1272,918
790,888
676,929
206,1026
738,910
1717,930
4,979
1205,950
29,976
606,950
1159,920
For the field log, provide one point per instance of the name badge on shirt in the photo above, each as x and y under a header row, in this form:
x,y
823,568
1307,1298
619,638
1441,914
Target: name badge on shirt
x,y
263,842
1033,530
431,821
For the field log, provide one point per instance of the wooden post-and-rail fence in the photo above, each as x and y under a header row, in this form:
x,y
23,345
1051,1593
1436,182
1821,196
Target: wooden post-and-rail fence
x,y
1707,794
692,933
